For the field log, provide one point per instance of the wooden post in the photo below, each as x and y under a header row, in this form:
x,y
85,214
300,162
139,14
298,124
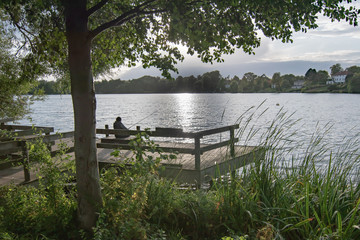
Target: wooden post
x,y
49,144
26,161
138,128
232,140
197,153
197,161
106,127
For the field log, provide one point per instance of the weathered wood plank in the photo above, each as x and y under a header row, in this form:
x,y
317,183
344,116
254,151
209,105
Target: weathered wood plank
x,y
57,136
167,130
217,145
10,163
217,130
117,140
24,127
151,133
30,132
232,164
13,145
128,147
10,151
116,131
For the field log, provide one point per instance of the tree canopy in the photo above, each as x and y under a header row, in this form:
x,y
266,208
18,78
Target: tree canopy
x,y
143,30
336,68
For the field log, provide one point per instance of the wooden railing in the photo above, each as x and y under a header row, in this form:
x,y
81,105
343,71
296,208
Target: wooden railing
x,y
197,150
13,143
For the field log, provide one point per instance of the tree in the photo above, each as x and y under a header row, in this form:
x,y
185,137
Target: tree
x,y
276,81
249,76
87,37
310,76
353,69
17,78
336,68
210,81
354,83
322,76
234,86
287,80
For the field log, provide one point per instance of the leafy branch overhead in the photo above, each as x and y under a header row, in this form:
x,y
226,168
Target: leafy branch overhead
x,y
149,31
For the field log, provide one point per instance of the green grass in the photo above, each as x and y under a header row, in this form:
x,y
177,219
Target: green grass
x,y
273,198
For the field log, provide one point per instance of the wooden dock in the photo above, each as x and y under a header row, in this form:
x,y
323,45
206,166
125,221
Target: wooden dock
x,y
214,163
196,162
14,156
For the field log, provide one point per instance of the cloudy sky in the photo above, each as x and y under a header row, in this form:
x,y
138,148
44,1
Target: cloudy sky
x,y
330,43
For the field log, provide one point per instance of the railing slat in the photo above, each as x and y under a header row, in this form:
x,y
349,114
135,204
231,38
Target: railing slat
x,y
128,147
217,130
217,145
9,145
151,133
23,127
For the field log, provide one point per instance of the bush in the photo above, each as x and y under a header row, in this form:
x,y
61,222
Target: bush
x,y
39,212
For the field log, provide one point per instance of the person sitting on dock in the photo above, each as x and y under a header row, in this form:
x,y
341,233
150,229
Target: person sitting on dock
x,y
119,125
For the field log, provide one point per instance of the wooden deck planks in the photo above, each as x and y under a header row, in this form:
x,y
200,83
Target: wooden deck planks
x,y
187,161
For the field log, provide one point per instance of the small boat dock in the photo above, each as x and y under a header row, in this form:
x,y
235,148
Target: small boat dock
x,y
196,161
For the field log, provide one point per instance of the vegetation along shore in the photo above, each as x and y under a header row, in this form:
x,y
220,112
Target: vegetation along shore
x,y
212,82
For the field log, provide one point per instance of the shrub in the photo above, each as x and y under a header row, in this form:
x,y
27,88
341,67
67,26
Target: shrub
x,y
44,211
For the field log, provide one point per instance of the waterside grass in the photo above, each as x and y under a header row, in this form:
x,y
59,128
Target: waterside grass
x,y
306,192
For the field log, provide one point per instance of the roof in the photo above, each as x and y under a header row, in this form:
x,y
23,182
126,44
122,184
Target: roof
x,y
341,73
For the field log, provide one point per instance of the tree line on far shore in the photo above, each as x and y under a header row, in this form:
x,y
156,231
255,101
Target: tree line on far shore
x,y
213,82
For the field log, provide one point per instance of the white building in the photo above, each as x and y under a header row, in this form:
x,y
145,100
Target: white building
x,y
298,84
338,78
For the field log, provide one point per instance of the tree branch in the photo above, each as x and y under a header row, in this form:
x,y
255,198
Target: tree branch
x,y
22,30
137,14
125,17
93,9
22,46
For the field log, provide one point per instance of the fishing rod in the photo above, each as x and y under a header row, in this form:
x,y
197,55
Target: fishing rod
x,y
144,118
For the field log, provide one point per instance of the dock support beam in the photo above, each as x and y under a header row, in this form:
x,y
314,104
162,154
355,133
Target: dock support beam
x,y
197,153
197,161
107,127
26,161
232,142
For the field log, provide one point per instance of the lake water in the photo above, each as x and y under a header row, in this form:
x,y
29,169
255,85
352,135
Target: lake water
x,y
192,112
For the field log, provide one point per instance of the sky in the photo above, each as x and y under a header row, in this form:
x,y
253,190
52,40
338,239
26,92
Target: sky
x,y
330,43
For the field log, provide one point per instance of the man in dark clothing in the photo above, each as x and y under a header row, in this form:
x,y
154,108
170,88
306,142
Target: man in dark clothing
x,y
118,125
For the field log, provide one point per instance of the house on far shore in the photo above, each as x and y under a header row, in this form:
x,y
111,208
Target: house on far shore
x,y
298,84
338,78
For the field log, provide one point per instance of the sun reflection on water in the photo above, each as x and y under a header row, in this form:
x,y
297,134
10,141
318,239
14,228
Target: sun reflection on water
x,y
185,110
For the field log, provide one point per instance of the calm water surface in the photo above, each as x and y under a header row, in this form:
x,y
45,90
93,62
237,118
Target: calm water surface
x,y
192,112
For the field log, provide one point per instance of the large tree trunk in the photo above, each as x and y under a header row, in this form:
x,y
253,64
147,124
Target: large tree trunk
x,y
83,96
